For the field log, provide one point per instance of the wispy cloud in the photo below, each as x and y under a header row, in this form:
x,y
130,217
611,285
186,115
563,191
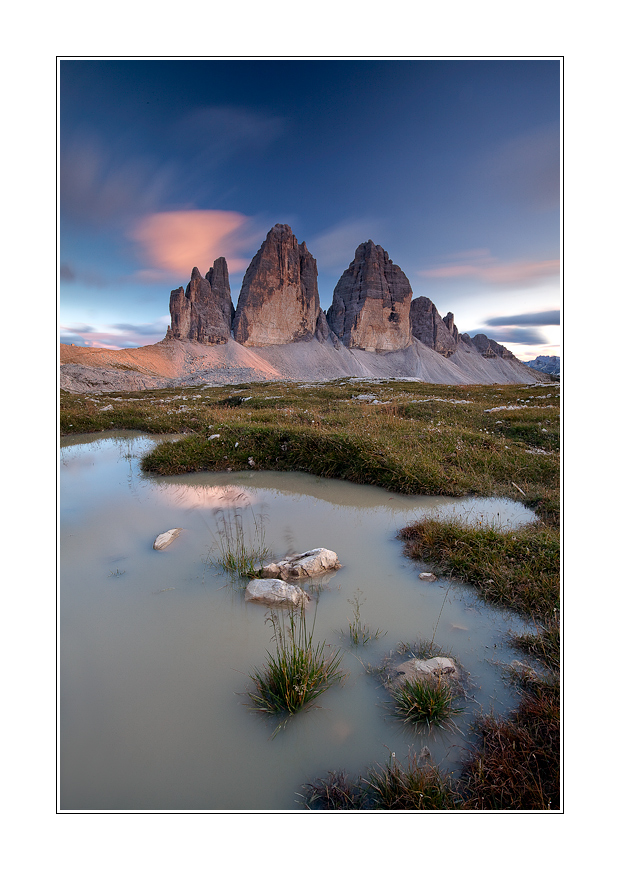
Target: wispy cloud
x,y
70,274
217,133
99,187
479,264
334,249
531,319
114,337
516,335
525,169
177,241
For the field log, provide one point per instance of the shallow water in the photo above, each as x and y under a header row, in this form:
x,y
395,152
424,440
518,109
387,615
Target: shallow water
x,y
156,646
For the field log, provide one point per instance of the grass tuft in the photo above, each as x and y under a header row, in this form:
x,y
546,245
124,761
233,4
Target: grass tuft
x,y
393,786
335,792
297,673
426,702
239,541
359,632
410,787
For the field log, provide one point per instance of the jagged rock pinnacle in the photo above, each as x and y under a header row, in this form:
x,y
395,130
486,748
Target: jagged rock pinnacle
x,y
279,301
371,302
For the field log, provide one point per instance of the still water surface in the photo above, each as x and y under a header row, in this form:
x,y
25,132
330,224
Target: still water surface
x,y
156,646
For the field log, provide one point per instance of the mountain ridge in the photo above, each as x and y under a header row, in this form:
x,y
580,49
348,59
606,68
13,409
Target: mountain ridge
x,y
278,331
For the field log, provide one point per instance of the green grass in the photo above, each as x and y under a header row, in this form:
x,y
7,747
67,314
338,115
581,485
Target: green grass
x,y
410,787
428,439
544,645
426,702
517,568
297,673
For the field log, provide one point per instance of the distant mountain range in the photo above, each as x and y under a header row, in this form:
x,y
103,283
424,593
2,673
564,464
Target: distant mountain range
x,y
549,365
278,331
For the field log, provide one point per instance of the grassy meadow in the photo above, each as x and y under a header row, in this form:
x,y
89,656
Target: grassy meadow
x,y
414,438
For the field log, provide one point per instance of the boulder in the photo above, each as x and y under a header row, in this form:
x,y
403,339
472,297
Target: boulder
x,y
276,592
303,565
165,538
371,302
415,669
279,300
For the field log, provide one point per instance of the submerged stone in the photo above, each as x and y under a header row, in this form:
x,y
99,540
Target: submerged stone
x,y
427,576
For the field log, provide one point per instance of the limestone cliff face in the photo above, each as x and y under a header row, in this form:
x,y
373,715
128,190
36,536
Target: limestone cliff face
x,y
279,301
371,302
372,307
205,312
442,335
489,348
428,327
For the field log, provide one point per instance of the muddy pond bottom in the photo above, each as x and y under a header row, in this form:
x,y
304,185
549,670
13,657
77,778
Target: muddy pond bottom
x,y
156,647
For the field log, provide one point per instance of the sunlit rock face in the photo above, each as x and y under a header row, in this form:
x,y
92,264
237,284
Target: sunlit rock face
x,y
370,307
428,327
205,312
279,301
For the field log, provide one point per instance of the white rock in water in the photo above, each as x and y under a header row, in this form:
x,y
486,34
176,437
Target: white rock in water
x,y
427,576
166,538
414,669
303,565
274,592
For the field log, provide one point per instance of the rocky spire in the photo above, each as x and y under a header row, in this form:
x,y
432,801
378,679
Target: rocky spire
x,y
371,302
489,348
428,327
279,301
204,313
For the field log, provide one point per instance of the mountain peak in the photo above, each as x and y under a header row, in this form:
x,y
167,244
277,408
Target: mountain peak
x,y
371,302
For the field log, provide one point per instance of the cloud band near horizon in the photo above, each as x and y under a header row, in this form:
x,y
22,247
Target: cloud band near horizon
x,y
480,265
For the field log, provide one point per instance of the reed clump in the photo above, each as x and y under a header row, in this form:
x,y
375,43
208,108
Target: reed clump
x,y
239,541
299,670
426,702
359,632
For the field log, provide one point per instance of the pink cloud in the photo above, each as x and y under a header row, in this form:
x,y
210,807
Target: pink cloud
x,y
480,265
177,241
114,337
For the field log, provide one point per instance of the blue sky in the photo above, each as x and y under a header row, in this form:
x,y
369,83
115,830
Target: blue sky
x,y
452,166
